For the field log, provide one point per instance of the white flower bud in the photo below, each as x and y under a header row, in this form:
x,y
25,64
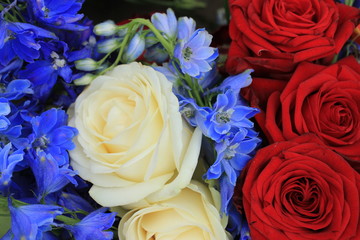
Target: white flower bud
x,y
106,28
108,45
84,80
86,64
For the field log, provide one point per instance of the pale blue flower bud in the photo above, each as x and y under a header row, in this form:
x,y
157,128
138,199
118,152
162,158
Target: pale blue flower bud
x,y
106,28
86,64
108,45
135,48
84,80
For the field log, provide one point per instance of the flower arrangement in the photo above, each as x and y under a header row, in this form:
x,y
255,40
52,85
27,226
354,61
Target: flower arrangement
x,y
141,130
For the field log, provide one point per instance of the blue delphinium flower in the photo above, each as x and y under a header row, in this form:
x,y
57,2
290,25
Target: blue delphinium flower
x,y
7,71
8,161
4,111
245,231
20,40
16,89
94,226
29,222
193,49
52,135
233,152
186,27
58,14
235,83
74,202
192,112
49,176
166,23
237,224
44,73
226,114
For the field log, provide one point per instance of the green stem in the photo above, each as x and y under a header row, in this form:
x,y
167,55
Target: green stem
x,y
121,48
165,43
194,89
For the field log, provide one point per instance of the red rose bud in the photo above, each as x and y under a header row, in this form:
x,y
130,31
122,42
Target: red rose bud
x,y
273,37
300,189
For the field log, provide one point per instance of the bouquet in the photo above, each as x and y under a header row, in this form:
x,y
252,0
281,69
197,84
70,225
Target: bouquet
x,y
148,129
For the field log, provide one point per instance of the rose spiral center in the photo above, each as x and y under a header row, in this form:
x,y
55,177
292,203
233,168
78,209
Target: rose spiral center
x,y
301,197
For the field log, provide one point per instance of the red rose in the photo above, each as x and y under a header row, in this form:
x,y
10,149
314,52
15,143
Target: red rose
x,y
272,37
320,100
300,189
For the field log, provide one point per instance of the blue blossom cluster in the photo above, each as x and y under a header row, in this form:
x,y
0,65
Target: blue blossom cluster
x,y
182,50
39,42
176,48
227,124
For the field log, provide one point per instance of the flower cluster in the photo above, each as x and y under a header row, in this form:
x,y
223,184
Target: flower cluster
x,y
182,54
138,130
39,42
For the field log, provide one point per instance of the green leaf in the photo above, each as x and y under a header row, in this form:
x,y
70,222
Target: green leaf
x,y
5,219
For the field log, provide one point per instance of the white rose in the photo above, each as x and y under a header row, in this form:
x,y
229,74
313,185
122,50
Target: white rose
x,y
133,145
189,215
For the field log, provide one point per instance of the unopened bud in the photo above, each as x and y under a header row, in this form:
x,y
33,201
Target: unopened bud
x,y
84,80
106,28
86,64
108,45
135,48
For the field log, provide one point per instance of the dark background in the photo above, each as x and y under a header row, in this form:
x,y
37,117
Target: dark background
x,y
118,10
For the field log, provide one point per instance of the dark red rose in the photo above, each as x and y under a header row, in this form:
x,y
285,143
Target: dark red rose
x,y
272,37
298,190
320,100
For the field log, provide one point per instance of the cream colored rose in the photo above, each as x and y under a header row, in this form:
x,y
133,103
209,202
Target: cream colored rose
x,y
133,144
190,215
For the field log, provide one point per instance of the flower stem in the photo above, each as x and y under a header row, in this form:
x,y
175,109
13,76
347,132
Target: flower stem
x,y
165,43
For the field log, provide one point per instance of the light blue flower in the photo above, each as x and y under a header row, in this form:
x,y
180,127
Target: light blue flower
x,y
186,28
49,176
44,73
5,109
16,89
74,202
166,23
226,114
94,226
52,135
235,82
58,14
195,54
233,152
8,161
30,221
192,112
20,40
